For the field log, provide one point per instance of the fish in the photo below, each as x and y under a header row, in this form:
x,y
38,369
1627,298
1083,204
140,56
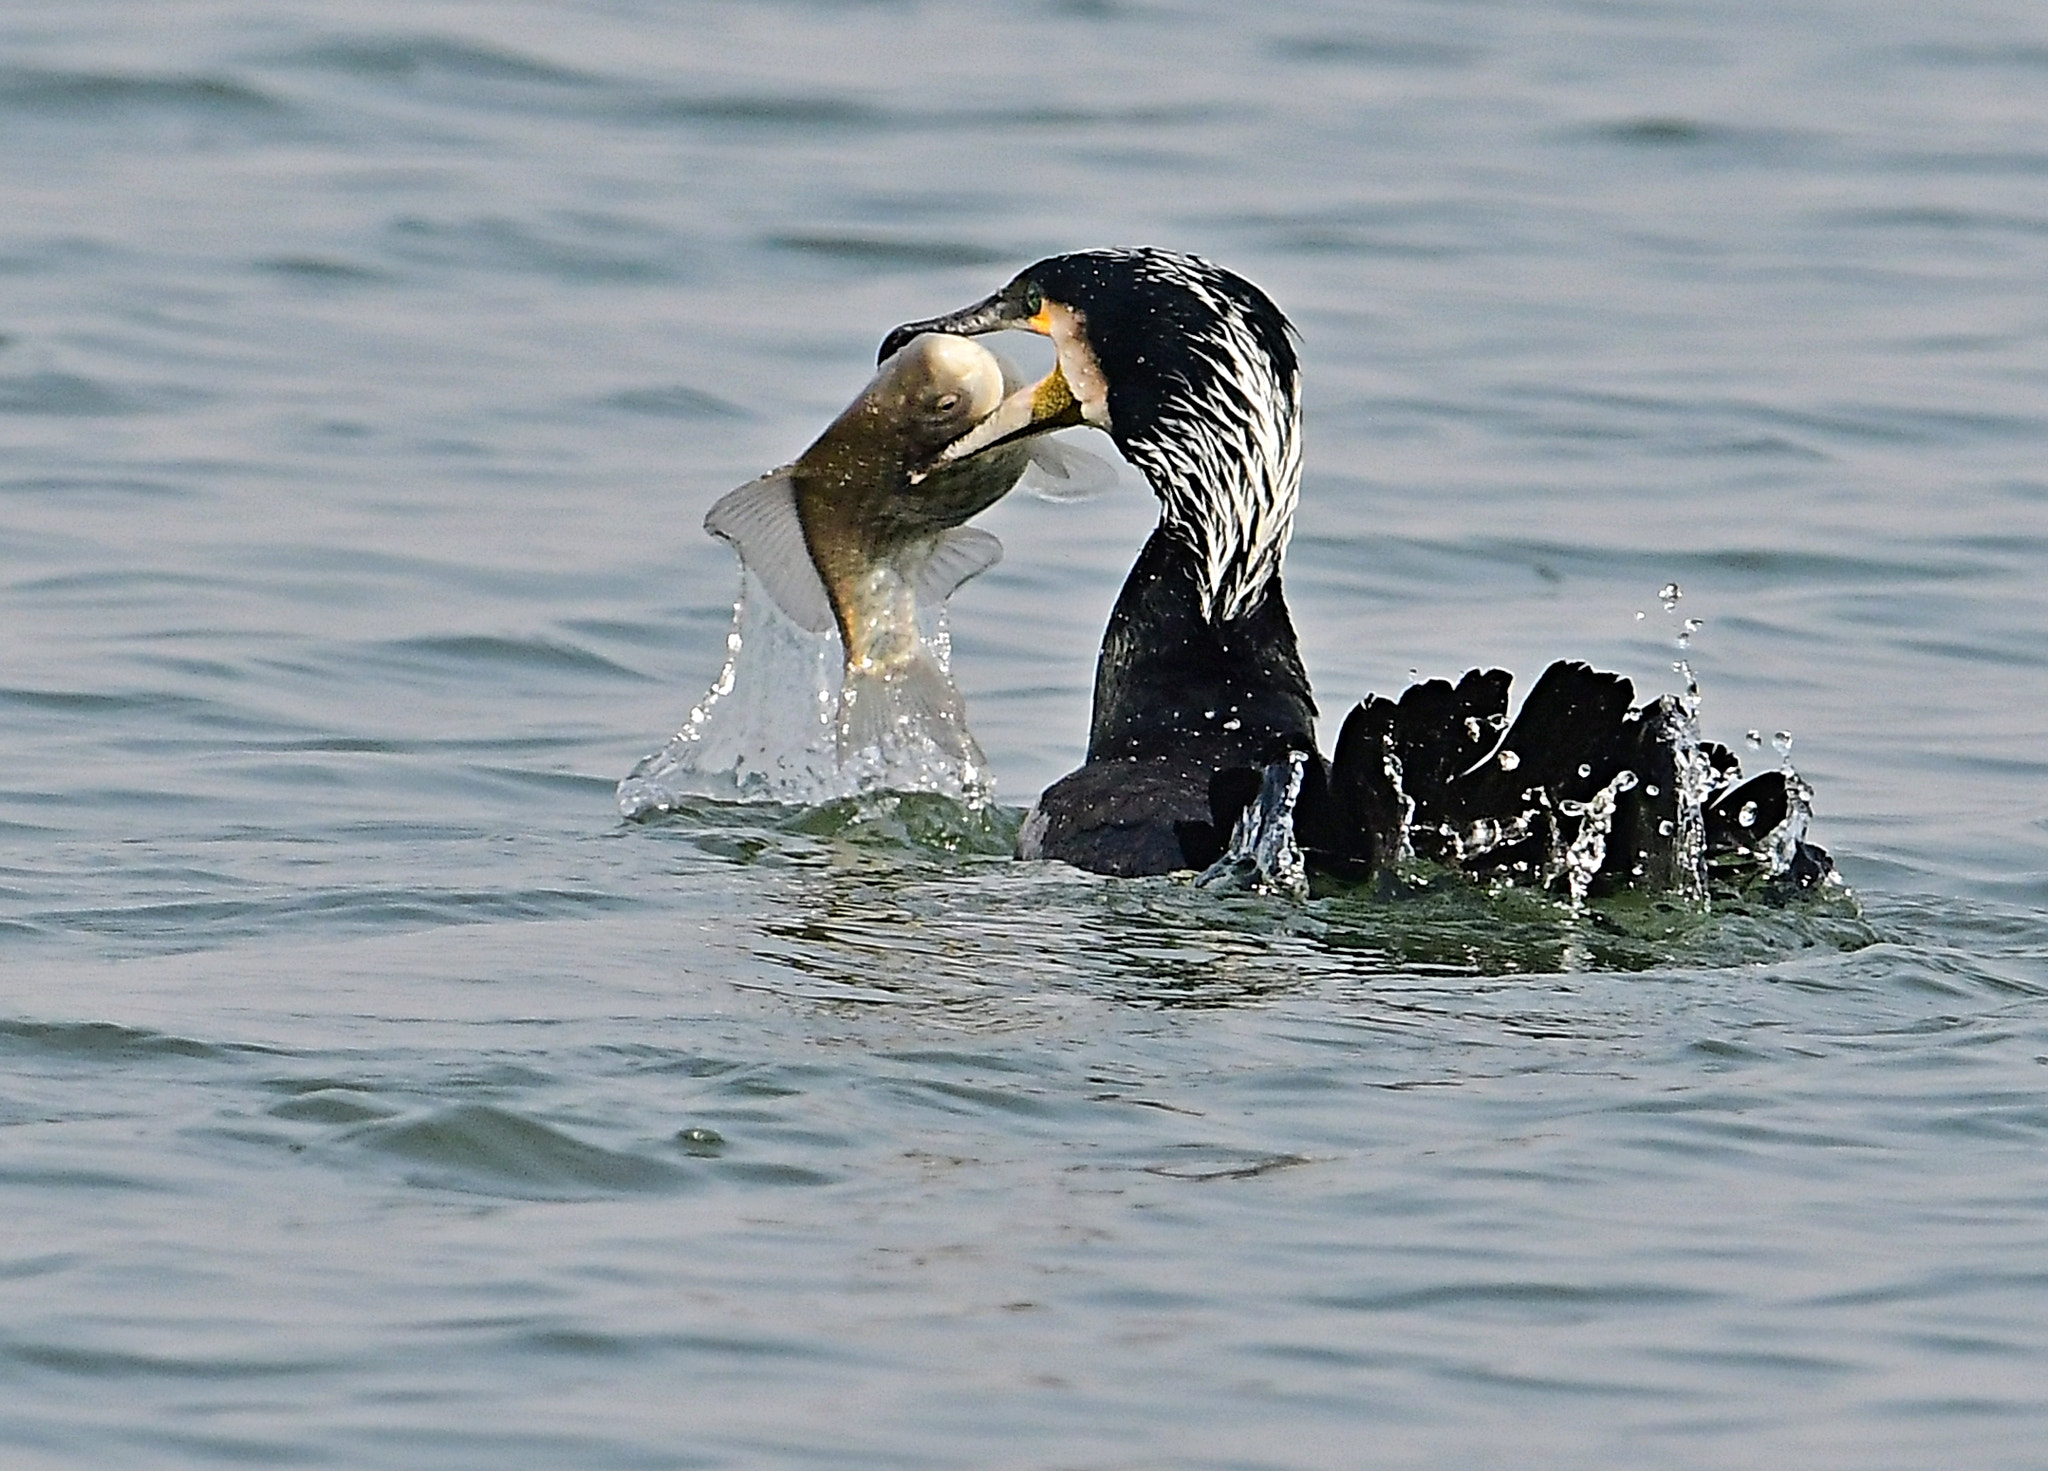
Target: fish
x,y
865,528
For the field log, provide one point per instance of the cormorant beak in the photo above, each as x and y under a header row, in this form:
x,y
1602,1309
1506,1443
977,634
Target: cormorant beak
x,y
993,314
1041,408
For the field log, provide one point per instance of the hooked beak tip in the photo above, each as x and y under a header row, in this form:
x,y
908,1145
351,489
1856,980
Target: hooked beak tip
x,y
899,338
990,315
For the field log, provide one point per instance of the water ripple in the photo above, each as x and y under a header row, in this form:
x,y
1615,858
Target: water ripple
x,y
879,251
573,248
374,1096
493,1151
100,1363
674,401
75,395
469,650
412,58
99,1041
99,94
1378,50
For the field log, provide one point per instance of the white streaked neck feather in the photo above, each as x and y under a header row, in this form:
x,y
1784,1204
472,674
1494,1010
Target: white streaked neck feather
x,y
1225,461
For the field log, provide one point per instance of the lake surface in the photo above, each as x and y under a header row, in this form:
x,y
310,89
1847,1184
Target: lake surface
x,y
374,1097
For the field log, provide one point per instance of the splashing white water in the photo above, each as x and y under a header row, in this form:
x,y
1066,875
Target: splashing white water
x,y
1263,857
1780,845
1588,849
768,729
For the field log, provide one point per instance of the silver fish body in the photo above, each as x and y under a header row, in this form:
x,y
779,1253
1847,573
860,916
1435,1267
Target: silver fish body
x,y
864,528
872,516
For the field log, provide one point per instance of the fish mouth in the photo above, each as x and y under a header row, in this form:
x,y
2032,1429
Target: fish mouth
x,y
1049,404
1042,407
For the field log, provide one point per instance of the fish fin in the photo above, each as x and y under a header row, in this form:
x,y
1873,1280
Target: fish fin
x,y
759,522
1062,473
882,709
955,557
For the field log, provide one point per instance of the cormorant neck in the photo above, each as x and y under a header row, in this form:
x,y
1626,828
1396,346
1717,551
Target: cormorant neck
x,y
1172,681
1223,455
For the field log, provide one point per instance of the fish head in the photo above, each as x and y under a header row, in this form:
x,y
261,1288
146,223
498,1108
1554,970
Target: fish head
x,y
1192,372
923,397
870,520
882,459
1075,392
934,389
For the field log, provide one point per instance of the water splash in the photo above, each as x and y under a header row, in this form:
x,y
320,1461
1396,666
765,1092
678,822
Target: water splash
x,y
769,728
1484,834
1697,783
1263,857
1779,847
1390,762
1588,847
1680,825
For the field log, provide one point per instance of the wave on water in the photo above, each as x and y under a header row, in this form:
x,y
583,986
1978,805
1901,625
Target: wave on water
x,y
769,729
100,93
476,1148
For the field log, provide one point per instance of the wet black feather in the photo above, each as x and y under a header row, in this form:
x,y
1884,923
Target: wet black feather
x,y
1192,706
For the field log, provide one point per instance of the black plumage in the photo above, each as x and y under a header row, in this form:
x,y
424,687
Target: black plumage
x,y
1202,709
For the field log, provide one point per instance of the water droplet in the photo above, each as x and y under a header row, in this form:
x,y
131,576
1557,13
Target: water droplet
x,y
1665,829
1498,722
1747,816
1471,727
1670,594
1509,761
1694,625
1639,615
1755,739
1624,781
1782,743
1233,723
1414,673
700,1141
1585,769
1653,790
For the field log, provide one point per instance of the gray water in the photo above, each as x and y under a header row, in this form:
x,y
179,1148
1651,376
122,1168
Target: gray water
x,y
374,1097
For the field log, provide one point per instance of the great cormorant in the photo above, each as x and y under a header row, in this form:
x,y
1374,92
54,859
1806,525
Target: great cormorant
x,y
1203,724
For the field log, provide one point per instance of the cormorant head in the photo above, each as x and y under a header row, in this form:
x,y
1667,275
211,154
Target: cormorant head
x,y
1190,369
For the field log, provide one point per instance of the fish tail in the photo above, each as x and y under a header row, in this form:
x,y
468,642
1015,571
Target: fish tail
x,y
898,708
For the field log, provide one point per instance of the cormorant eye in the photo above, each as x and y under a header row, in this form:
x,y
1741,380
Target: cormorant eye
x,y
1034,299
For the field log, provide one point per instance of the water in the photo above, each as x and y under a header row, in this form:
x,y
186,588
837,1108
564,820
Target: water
x,y
375,1098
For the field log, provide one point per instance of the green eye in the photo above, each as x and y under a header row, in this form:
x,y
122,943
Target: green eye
x,y
1034,299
